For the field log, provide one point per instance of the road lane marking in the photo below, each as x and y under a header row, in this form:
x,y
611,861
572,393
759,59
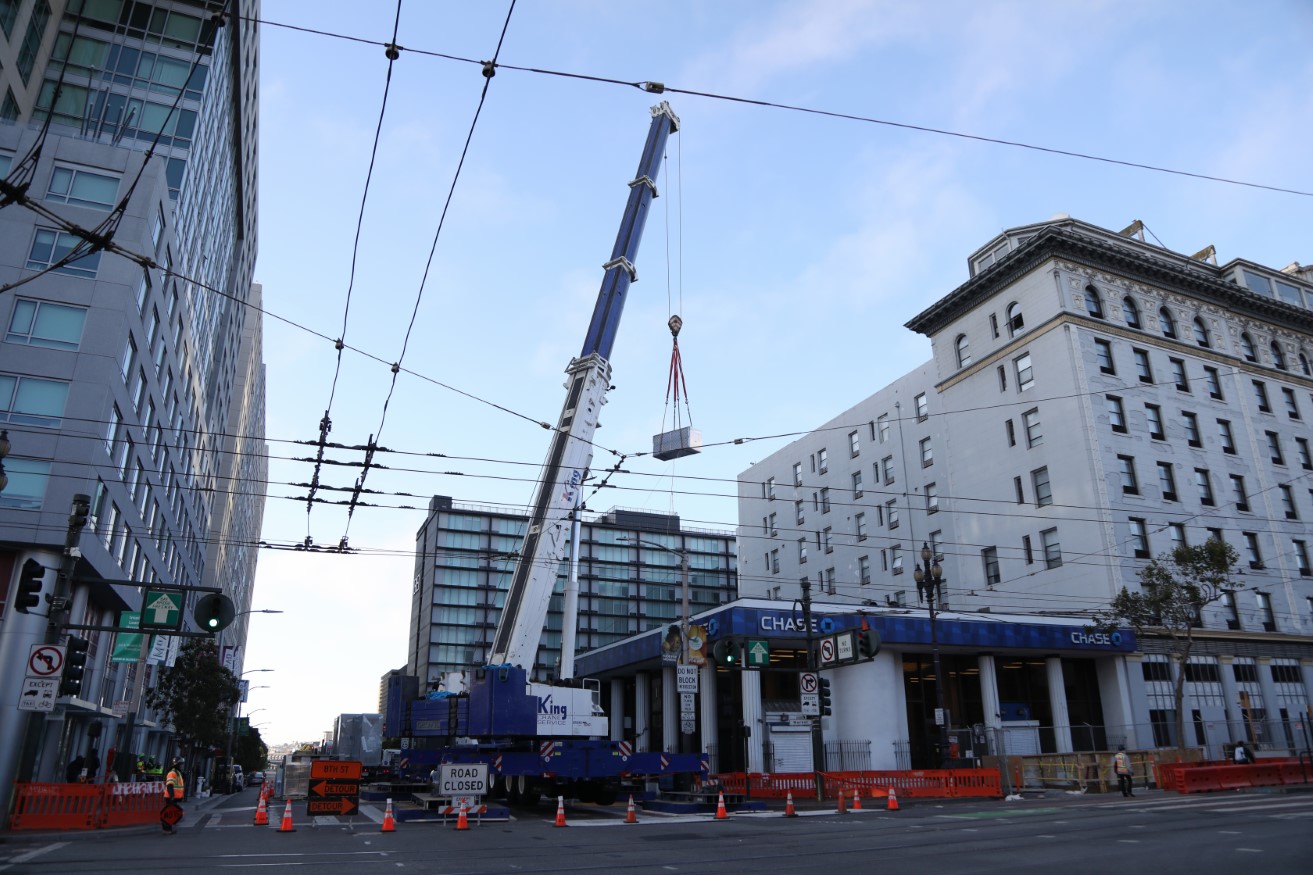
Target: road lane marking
x,y
1250,850
32,854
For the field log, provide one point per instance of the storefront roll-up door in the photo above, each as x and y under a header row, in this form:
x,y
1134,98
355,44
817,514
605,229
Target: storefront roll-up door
x,y
791,749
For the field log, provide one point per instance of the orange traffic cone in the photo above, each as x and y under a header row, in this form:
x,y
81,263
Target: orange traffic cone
x,y
843,802
560,811
721,813
261,814
462,819
857,800
893,800
631,816
389,823
287,819
788,806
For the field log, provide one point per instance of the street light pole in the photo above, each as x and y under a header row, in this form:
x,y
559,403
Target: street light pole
x,y
929,577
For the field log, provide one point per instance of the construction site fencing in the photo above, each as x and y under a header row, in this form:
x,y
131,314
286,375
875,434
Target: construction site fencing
x,y
928,783
1214,776
85,806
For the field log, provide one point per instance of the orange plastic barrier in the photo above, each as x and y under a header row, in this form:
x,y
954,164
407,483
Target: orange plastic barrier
x,y
1233,777
922,783
1199,780
1293,773
1264,774
85,806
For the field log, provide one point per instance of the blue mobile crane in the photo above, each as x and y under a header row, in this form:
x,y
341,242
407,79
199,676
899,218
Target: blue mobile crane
x,y
540,738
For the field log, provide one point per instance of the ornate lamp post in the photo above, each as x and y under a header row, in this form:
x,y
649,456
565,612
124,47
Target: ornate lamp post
x,y
929,576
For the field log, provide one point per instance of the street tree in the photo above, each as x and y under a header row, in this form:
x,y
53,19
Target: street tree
x,y
196,695
1175,589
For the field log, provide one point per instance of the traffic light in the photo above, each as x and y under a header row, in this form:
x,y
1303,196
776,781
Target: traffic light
x,y
29,586
726,653
75,661
81,511
868,643
825,697
214,612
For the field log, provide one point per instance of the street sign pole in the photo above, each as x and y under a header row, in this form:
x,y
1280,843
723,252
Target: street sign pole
x,y
818,741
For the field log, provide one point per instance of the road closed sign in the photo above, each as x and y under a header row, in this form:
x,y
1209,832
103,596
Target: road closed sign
x,y
463,779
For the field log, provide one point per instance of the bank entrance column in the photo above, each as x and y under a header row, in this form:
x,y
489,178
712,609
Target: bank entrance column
x,y
1058,704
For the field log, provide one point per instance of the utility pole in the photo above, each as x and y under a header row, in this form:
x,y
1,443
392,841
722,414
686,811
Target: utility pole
x,y
818,740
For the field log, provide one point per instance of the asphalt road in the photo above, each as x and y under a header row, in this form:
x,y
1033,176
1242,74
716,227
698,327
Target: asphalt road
x,y
1161,833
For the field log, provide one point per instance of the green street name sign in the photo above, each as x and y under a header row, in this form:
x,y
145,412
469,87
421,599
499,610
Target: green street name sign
x,y
161,609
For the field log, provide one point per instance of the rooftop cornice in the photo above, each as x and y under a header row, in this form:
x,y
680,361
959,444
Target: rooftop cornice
x,y
1198,280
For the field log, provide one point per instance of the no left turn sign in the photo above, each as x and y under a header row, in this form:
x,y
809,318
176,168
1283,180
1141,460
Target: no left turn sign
x,y
45,661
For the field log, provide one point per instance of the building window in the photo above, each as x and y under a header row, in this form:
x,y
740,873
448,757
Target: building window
x,y
1300,549
825,499
32,401
1025,377
1116,415
1274,448
882,422
993,325
799,514
797,473
1130,484
1167,481
70,185
1093,305
860,520
42,323
49,247
1039,481
1166,323
1278,357
1201,333
989,558
26,488
823,462
1205,484
1027,551
1139,538
1247,347
1103,352
1288,501
770,526
1030,421
1265,611
1153,417
1260,395
854,443
1214,383
1252,551
1011,432
931,498
1191,423
887,463
1130,312
864,570
891,513
1302,452
963,351
1228,439
1052,549
1014,321
1238,490
922,407
927,453
1179,376
825,540
802,551
1304,365
1002,379
774,561
896,559
1019,490
857,484
1177,533
31,45
1142,366
1292,406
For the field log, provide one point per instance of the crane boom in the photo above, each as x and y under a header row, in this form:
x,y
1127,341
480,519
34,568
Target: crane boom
x,y
525,610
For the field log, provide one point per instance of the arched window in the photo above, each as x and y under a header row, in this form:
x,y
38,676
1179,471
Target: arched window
x,y
1201,332
1015,322
1278,359
963,351
1166,323
1130,312
1247,348
1093,305
1304,366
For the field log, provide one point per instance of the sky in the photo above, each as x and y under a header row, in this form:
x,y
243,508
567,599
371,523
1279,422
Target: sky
x,y
794,245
